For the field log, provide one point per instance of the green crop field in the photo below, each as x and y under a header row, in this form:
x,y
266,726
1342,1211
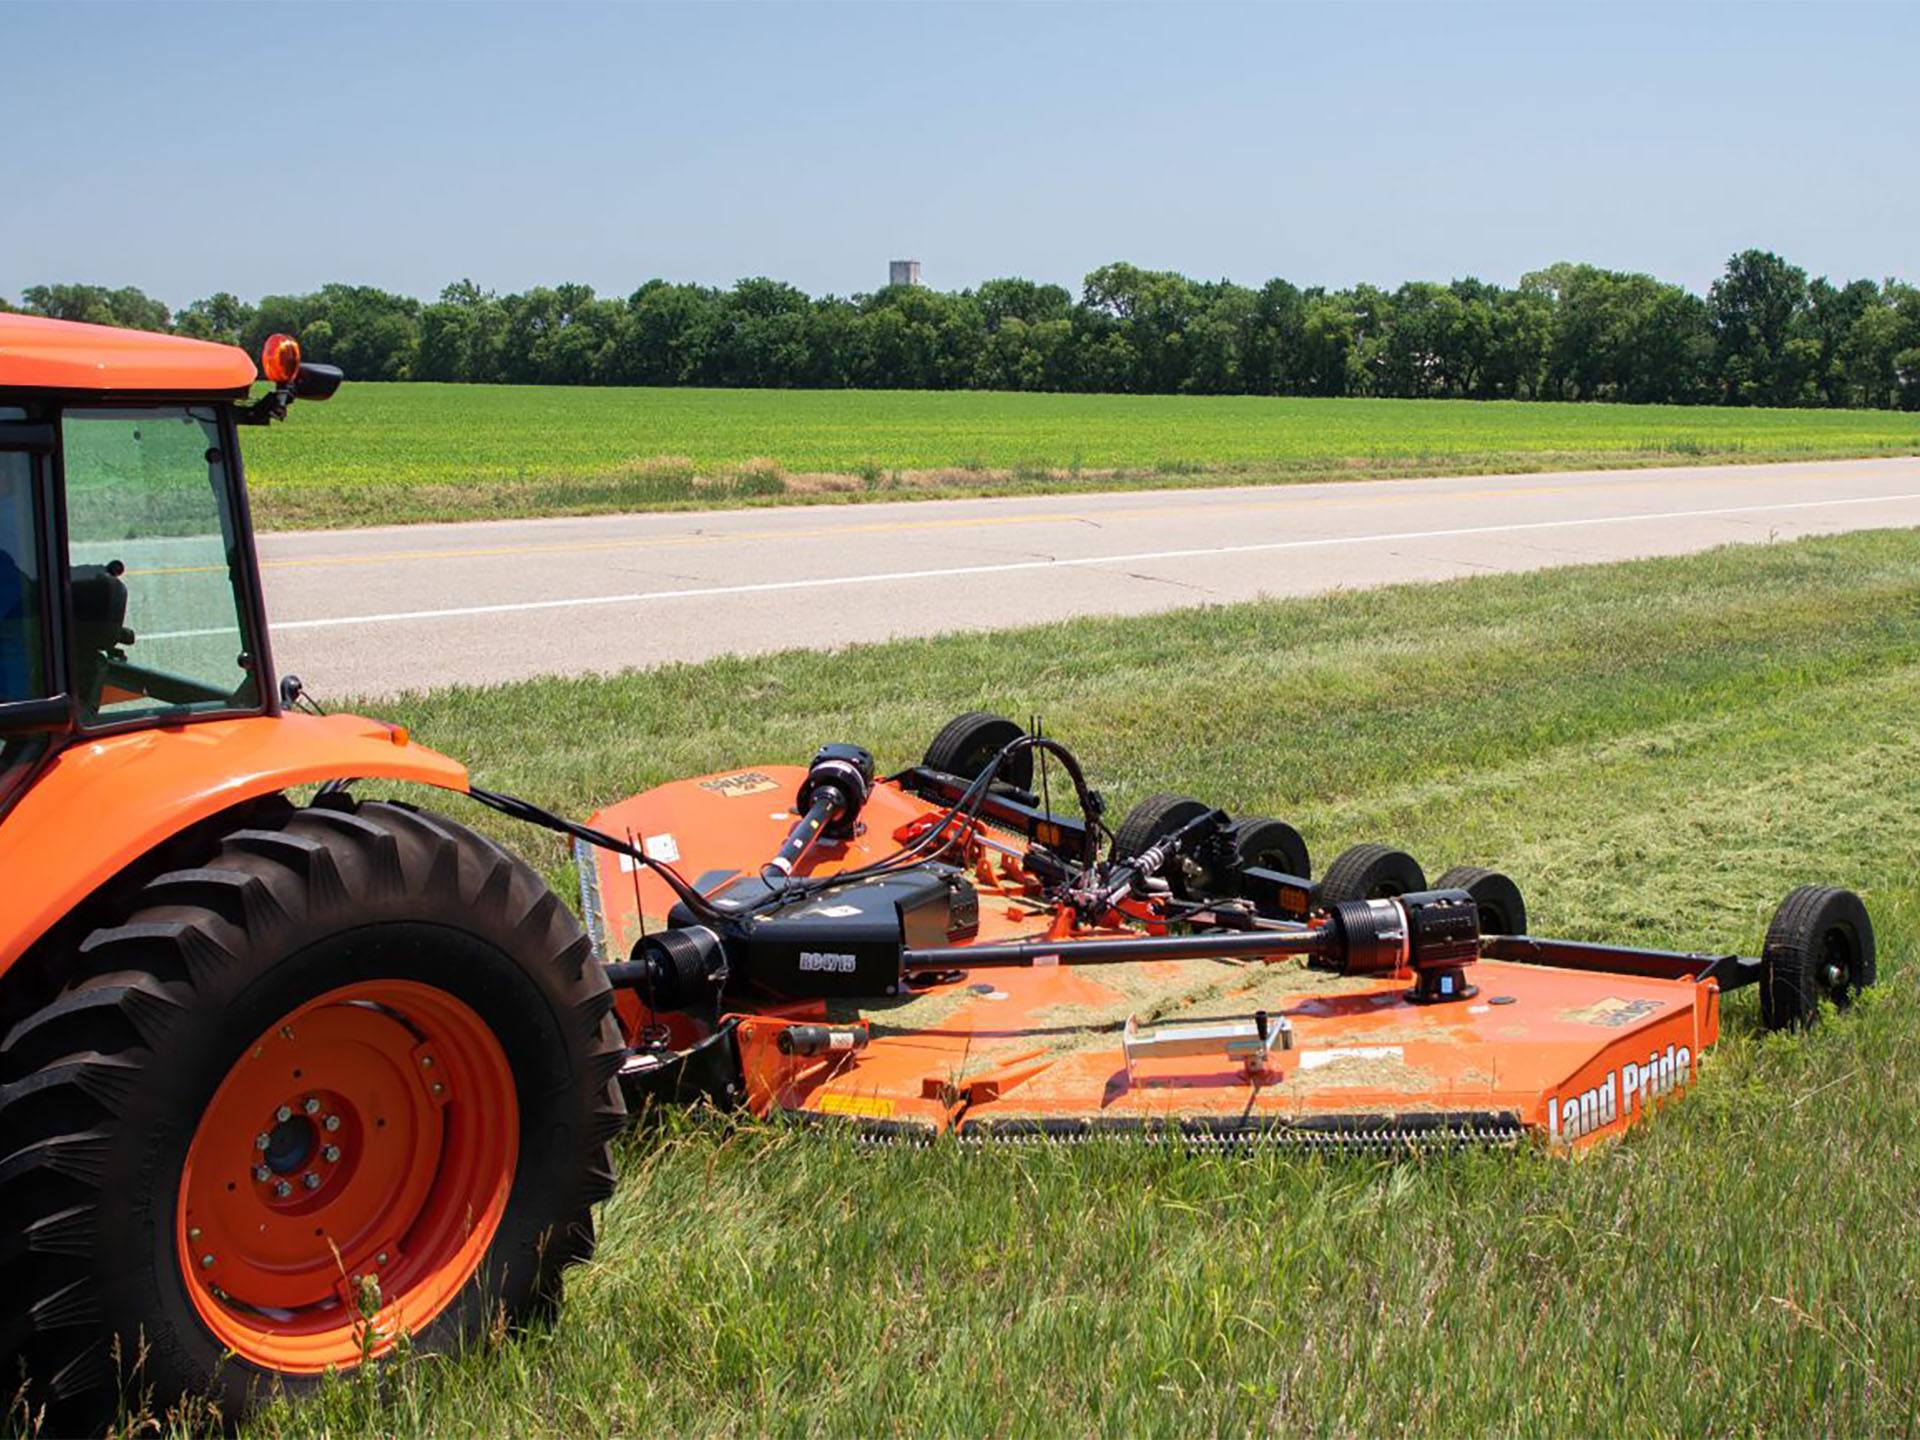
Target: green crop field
x,y
1657,751
388,453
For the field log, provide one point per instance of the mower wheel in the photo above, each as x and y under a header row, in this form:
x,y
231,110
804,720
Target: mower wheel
x,y
1502,909
967,744
1368,872
1819,947
1271,845
1153,819
349,1078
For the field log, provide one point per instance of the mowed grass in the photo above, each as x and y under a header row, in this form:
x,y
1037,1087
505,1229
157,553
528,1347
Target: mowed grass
x,y
392,453
1657,751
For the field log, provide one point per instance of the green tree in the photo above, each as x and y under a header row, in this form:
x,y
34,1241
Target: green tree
x,y
128,307
1752,309
221,316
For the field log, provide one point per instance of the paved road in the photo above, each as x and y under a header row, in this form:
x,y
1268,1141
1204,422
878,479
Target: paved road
x,y
376,611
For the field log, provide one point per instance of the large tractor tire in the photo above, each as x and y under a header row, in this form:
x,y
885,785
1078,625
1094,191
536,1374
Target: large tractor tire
x,y
351,1077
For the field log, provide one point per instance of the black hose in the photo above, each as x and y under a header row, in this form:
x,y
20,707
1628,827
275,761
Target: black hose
x,y
525,810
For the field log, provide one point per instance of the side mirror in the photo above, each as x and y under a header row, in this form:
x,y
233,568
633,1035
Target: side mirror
x,y
316,382
55,715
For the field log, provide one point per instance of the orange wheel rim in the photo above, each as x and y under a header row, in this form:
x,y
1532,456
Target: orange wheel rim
x,y
369,1138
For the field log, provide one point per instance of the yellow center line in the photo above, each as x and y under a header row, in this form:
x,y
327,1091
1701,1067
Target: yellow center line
x,y
1363,494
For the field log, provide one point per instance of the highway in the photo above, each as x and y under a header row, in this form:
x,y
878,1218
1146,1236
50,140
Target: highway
x,y
374,612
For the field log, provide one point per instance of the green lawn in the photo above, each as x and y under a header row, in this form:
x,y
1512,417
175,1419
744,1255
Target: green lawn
x,y
1656,751
387,453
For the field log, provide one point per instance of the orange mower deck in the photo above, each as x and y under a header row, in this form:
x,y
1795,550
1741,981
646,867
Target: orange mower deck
x,y
1564,1054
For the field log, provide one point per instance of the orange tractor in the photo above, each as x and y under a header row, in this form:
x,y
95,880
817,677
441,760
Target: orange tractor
x,y
284,1080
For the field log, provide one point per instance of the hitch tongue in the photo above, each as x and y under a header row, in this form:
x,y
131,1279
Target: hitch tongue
x,y
1249,1042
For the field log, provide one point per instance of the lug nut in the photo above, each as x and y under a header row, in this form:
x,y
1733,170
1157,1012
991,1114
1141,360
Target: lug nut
x,y
283,1114
381,1258
312,1106
205,1261
262,1174
426,1062
194,1233
261,1141
282,1189
310,1180
438,1088
331,1154
333,1122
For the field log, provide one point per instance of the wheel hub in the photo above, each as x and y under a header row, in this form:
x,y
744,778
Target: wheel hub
x,y
372,1132
311,1149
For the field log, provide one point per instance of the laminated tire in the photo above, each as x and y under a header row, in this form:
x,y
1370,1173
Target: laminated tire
x,y
967,744
1818,948
1271,845
1503,910
1153,819
1368,872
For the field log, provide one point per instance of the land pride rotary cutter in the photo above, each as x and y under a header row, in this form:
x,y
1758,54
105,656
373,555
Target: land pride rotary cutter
x,y
283,1079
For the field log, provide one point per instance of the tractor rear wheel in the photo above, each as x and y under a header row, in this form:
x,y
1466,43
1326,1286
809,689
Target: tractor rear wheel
x,y
350,1078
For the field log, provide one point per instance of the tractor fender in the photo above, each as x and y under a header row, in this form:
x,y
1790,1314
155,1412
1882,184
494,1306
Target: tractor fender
x,y
100,804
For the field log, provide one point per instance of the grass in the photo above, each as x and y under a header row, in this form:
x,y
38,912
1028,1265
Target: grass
x,y
1658,751
395,453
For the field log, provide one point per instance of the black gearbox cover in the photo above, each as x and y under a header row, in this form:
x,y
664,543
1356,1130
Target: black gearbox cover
x,y
846,940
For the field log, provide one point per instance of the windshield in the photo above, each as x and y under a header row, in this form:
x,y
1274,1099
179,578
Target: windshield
x,y
154,557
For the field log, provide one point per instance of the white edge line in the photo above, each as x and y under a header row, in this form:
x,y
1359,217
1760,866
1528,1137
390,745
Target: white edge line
x,y
823,582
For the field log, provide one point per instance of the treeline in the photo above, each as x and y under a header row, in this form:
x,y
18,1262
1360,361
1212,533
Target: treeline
x,y
1764,335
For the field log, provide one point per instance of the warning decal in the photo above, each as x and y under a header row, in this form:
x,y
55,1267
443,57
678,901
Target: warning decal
x,y
747,782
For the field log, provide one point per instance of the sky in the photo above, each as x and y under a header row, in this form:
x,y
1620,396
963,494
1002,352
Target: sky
x,y
255,147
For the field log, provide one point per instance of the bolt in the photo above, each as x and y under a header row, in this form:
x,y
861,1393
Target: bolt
x,y
332,1154
333,1122
194,1233
283,1114
311,1106
310,1180
1835,975
261,1141
282,1189
381,1258
426,1062
438,1088
262,1173
205,1261
286,1032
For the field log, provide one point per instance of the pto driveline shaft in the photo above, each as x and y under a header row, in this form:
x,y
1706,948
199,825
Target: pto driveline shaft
x,y
1241,945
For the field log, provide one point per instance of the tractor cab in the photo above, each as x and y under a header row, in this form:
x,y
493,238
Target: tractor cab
x,y
129,591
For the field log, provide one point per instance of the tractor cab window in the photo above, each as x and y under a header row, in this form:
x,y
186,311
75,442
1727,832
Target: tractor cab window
x,y
23,643
154,556
23,657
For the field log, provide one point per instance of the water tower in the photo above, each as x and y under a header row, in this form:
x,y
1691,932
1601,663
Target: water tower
x,y
903,272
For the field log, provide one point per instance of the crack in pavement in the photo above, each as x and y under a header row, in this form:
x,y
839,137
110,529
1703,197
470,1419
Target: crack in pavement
x,y
1164,580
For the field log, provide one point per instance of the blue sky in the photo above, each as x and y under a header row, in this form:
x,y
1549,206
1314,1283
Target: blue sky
x,y
254,147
